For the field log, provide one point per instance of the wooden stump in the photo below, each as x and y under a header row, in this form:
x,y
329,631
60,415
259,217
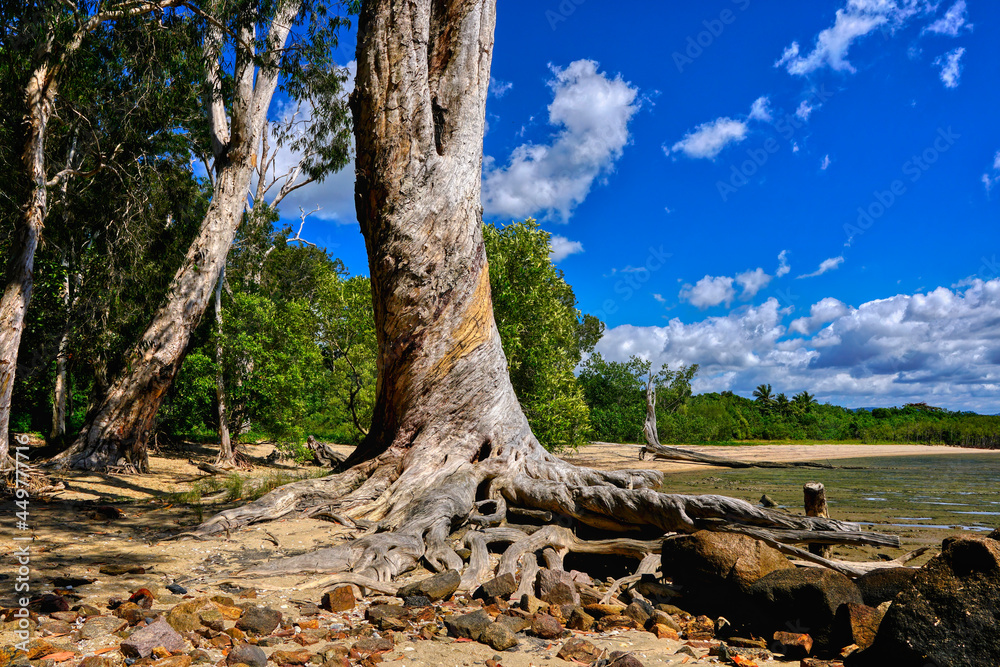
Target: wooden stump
x,y
815,503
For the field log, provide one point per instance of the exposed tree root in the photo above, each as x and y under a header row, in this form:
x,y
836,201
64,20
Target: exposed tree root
x,y
477,499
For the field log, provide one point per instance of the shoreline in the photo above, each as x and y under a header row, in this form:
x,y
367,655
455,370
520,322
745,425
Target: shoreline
x,y
605,454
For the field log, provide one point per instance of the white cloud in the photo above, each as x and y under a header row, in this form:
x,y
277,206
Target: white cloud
x,y
952,22
939,347
761,109
783,267
805,110
824,266
821,312
499,88
708,139
592,112
825,162
709,291
752,282
990,181
335,194
832,44
660,298
857,19
951,67
562,247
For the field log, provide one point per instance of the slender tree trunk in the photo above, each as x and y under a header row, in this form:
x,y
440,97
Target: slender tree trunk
x,y
40,94
61,389
226,454
117,432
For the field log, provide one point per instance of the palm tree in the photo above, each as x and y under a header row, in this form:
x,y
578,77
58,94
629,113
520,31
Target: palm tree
x,y
782,404
762,394
803,401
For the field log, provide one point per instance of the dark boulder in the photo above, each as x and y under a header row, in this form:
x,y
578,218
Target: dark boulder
x,y
801,600
437,587
950,613
882,585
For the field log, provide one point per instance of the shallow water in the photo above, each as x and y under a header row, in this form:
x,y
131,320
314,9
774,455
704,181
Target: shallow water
x,y
919,498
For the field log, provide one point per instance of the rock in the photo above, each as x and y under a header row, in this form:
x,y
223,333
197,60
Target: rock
x,y
611,622
579,650
183,621
229,613
119,570
48,603
640,611
556,587
212,619
173,661
309,609
766,501
514,623
807,597
438,587
130,612
260,621
372,645
143,598
623,659
498,637
602,610
718,568
66,616
793,645
248,655
387,616
95,626
858,624
580,620
416,601
545,626
50,626
664,632
497,588
282,658
882,585
340,598
140,644
177,589
468,626
533,605
663,618
948,615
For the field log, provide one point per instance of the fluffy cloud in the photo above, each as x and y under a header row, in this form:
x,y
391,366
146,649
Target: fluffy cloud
x,y
805,110
952,22
709,291
761,109
562,247
825,162
592,112
990,180
499,88
938,347
824,266
334,196
752,282
708,139
951,67
821,312
857,19
783,267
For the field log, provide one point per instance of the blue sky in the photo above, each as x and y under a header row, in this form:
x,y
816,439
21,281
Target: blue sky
x,y
807,197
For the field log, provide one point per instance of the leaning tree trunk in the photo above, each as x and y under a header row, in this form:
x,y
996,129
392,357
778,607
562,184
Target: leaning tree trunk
x,y
449,443
40,95
117,431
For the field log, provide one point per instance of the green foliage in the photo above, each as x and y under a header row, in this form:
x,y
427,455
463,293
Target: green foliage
x,y
544,335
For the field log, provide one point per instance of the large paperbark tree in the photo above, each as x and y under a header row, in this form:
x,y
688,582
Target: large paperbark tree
x,y
449,444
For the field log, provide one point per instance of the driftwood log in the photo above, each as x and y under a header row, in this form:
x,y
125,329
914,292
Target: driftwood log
x,y
323,454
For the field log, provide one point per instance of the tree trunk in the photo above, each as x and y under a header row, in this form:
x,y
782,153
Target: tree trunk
x,y
449,444
649,427
226,454
61,389
40,94
116,433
